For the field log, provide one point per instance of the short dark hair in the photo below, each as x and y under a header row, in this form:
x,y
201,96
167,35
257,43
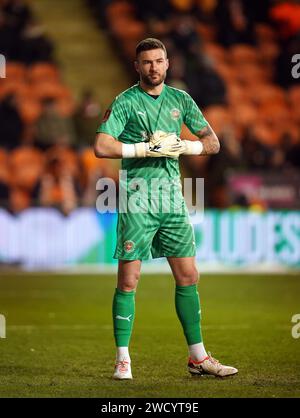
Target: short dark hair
x,y
148,44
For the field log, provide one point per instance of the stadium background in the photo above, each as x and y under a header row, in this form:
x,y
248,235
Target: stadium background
x,y
65,62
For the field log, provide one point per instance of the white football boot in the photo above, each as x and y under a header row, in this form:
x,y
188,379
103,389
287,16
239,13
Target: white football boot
x,y
210,366
122,370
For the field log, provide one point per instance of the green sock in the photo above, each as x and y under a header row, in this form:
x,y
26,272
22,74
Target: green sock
x,y
123,316
188,310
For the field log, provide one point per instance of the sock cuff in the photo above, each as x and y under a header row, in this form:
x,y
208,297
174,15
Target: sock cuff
x,y
187,289
121,292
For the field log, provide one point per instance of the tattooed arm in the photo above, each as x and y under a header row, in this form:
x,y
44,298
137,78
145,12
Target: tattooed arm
x,y
208,144
209,139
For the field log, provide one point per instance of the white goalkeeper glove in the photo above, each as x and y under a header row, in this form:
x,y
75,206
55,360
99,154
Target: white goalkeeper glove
x,y
161,144
186,147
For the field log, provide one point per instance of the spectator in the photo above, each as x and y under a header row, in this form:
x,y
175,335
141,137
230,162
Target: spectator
x,y
184,34
86,119
52,128
11,125
57,188
34,45
8,39
256,155
235,22
229,158
203,81
17,12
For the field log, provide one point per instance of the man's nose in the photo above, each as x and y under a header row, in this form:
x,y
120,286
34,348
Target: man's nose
x,y
153,66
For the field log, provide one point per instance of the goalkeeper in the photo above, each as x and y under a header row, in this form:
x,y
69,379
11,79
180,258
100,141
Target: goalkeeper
x,y
142,127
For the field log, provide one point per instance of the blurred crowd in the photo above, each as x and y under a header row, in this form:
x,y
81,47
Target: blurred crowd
x,y
46,139
233,56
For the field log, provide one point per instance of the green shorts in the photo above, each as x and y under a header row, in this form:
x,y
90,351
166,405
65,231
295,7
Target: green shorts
x,y
142,236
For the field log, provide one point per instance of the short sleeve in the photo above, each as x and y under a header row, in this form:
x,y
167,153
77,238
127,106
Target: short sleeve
x,y
115,118
193,117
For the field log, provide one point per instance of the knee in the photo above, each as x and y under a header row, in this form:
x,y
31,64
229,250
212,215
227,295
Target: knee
x,y
188,277
128,282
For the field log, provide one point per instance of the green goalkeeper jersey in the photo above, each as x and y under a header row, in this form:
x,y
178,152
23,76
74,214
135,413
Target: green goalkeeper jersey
x,y
134,115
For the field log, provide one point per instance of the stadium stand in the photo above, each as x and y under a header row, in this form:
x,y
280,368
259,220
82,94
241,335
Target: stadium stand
x,y
233,57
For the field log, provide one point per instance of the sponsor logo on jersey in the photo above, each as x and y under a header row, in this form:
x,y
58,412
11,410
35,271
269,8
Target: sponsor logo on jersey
x,y
175,114
106,115
128,246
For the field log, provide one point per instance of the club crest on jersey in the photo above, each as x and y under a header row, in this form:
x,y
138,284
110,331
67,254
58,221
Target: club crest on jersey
x,y
128,246
175,114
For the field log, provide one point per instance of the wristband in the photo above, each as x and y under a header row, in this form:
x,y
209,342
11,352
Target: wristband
x,y
193,147
138,150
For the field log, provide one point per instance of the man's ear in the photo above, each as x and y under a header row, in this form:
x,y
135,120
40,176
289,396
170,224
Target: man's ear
x,y
167,62
136,66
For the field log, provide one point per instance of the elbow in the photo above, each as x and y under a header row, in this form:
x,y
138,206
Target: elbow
x,y
215,146
98,151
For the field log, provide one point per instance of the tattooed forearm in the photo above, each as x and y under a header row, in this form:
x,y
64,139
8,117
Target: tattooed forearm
x,y
209,140
205,132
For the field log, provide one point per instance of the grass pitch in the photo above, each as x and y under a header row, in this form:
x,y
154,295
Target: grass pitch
x,y
60,344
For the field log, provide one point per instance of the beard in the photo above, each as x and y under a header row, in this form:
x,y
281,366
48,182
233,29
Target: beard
x,y
153,83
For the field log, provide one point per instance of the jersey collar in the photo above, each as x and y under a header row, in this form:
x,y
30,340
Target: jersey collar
x,y
158,99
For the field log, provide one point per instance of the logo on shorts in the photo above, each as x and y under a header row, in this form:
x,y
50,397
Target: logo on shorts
x,y
129,246
175,114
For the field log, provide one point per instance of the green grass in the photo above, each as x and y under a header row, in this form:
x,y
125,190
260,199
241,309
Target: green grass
x,y
59,337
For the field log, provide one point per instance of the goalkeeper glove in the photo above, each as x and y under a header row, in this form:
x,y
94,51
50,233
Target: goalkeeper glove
x,y
161,144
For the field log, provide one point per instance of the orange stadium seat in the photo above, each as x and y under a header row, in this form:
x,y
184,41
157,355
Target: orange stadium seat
x,y
4,174
265,134
65,106
26,164
49,89
95,166
262,94
295,112
182,5
251,74
275,115
244,114
206,32
43,72
265,32
268,51
294,100
219,117
66,155
226,71
293,129
237,94
19,199
16,87
187,134
241,53
294,95
215,51
15,71
128,29
30,110
121,8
